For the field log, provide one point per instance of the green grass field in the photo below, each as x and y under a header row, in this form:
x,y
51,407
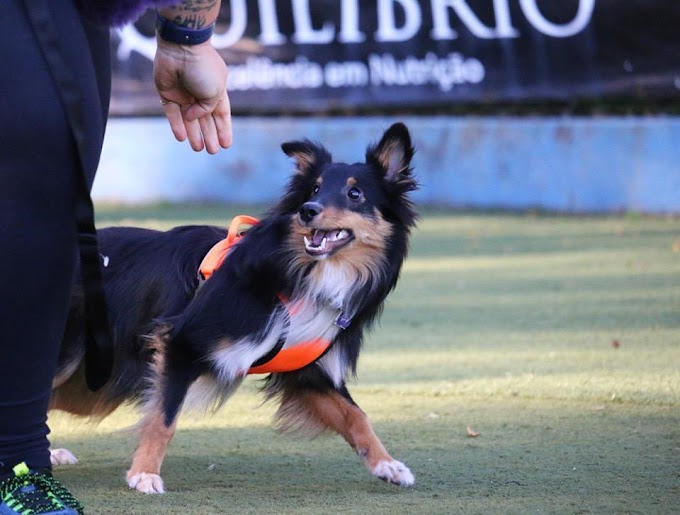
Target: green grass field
x,y
557,339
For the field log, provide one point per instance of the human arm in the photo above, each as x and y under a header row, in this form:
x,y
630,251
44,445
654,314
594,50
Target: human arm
x,y
191,80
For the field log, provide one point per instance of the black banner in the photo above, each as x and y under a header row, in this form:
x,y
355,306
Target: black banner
x,y
288,56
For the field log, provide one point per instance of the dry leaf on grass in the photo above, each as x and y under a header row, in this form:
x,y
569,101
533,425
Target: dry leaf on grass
x,y
472,433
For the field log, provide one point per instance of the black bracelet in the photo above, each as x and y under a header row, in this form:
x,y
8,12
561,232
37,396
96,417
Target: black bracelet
x,y
173,33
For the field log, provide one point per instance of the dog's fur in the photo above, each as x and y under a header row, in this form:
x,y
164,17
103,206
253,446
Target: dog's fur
x,y
182,342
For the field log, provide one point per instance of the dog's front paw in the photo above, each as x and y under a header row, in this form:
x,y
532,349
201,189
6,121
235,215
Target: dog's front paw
x,y
146,483
62,457
394,472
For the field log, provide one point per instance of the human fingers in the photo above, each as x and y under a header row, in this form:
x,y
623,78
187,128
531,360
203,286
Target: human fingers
x,y
173,113
209,132
215,122
193,129
222,117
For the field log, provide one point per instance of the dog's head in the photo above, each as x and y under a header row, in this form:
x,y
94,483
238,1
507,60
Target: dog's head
x,y
351,211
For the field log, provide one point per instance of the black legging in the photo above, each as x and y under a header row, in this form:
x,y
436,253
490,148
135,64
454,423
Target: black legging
x,y
39,172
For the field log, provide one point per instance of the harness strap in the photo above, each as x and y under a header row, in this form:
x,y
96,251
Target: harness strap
x,y
216,255
271,354
293,358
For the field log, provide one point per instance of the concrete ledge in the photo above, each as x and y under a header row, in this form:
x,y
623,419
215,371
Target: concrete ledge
x,y
565,164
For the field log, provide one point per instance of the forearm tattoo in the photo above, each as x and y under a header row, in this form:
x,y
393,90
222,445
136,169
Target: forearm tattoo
x,y
192,14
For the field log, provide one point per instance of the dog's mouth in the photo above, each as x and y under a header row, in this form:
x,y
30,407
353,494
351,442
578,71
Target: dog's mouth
x,y
324,242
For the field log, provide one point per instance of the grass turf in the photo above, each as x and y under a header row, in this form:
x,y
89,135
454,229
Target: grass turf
x,y
557,339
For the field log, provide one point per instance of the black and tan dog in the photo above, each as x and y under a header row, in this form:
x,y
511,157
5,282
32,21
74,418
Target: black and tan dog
x,y
292,299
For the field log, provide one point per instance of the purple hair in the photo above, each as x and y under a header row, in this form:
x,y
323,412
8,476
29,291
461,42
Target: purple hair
x,y
118,12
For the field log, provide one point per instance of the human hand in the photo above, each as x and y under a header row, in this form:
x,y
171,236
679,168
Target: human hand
x,y
192,84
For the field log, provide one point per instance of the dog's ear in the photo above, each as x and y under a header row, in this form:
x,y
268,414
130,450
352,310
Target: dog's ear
x,y
307,154
393,154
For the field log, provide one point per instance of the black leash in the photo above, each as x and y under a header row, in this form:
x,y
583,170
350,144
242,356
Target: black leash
x,y
98,342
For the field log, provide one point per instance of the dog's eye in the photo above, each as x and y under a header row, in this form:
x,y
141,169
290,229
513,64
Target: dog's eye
x,y
354,193
316,189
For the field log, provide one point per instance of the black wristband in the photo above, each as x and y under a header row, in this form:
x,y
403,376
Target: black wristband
x,y
173,33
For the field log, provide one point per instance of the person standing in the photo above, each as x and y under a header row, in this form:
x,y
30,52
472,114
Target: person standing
x,y
54,97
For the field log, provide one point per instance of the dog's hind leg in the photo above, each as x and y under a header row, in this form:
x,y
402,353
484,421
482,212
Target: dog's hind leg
x,y
72,395
314,411
62,457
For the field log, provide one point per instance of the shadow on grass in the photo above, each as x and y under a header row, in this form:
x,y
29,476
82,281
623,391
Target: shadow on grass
x,y
530,457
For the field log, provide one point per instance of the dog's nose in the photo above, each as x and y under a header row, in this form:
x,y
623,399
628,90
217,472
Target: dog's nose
x,y
310,210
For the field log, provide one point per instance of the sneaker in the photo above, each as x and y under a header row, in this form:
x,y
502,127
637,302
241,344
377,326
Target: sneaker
x,y
33,493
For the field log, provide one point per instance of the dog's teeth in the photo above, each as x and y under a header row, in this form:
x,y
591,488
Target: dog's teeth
x,y
313,244
338,235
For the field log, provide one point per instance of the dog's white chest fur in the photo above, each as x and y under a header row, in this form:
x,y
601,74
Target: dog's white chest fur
x,y
309,321
301,321
306,317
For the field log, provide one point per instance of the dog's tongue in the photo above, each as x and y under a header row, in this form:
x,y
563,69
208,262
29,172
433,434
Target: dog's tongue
x,y
318,237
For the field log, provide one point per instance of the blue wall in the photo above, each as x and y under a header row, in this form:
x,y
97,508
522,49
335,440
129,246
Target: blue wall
x,y
565,163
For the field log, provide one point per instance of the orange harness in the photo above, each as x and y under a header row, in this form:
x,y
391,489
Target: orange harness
x,y
284,359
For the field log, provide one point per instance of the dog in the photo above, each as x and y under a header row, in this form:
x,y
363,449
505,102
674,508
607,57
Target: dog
x,y
313,274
